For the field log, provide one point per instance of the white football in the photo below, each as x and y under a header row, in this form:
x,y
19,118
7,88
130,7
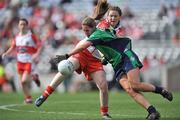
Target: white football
x,y
65,67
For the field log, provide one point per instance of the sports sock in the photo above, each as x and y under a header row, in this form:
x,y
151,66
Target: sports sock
x,y
28,97
158,89
151,109
48,91
104,110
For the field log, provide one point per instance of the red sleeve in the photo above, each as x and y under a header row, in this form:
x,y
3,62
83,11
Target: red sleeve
x,y
36,40
13,43
103,25
121,32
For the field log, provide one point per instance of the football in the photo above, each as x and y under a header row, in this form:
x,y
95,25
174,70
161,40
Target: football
x,y
65,67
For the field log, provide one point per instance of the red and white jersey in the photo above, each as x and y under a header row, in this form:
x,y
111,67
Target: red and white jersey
x,y
26,45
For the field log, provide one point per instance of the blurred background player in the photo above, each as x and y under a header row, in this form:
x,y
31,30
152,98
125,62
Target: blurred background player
x,y
26,45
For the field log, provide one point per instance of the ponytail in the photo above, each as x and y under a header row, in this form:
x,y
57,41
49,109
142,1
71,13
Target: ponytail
x,y
100,9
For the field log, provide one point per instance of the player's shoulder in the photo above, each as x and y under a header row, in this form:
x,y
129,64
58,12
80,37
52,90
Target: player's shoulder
x,y
104,24
86,38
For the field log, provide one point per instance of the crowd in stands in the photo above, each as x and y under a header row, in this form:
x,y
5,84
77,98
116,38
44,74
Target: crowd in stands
x,y
58,24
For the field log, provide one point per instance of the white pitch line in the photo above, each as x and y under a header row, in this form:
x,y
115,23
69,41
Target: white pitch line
x,y
8,107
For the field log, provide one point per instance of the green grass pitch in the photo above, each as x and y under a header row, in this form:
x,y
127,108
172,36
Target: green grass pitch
x,y
84,106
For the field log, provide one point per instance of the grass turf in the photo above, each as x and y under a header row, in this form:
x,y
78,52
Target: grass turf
x,y
84,106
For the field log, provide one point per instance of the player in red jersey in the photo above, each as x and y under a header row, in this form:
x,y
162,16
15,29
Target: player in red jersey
x,y
27,48
93,71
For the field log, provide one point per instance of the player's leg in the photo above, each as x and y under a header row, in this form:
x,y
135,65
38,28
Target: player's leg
x,y
100,80
25,81
24,70
139,98
56,81
133,76
35,78
58,78
34,75
131,67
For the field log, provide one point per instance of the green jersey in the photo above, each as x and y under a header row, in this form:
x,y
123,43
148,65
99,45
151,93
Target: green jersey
x,y
110,46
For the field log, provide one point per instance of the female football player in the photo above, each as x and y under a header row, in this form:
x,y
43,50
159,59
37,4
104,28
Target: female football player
x,y
93,71
27,49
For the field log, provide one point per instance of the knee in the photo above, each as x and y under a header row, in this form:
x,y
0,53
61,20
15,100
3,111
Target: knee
x,y
135,85
131,92
23,82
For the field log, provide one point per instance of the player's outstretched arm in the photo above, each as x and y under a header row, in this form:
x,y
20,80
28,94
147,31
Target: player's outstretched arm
x,y
80,47
58,58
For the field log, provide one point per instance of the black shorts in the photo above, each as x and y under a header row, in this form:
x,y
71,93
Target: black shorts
x,y
130,61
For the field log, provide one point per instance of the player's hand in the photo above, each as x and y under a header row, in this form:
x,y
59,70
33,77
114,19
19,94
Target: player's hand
x,y
104,61
3,55
35,58
58,58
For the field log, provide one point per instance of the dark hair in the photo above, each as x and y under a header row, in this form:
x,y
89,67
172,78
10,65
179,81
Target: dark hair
x,y
89,22
115,8
100,9
95,2
25,20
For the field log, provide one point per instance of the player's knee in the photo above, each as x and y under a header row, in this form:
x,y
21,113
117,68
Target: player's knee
x,y
131,92
135,85
23,82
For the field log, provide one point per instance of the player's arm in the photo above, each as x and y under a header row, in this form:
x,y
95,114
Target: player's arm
x,y
80,47
11,48
38,46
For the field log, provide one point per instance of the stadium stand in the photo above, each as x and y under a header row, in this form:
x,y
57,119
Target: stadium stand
x,y
152,24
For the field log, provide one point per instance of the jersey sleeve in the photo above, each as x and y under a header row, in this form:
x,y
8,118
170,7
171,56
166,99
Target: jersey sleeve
x,y
36,40
103,25
120,32
13,43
